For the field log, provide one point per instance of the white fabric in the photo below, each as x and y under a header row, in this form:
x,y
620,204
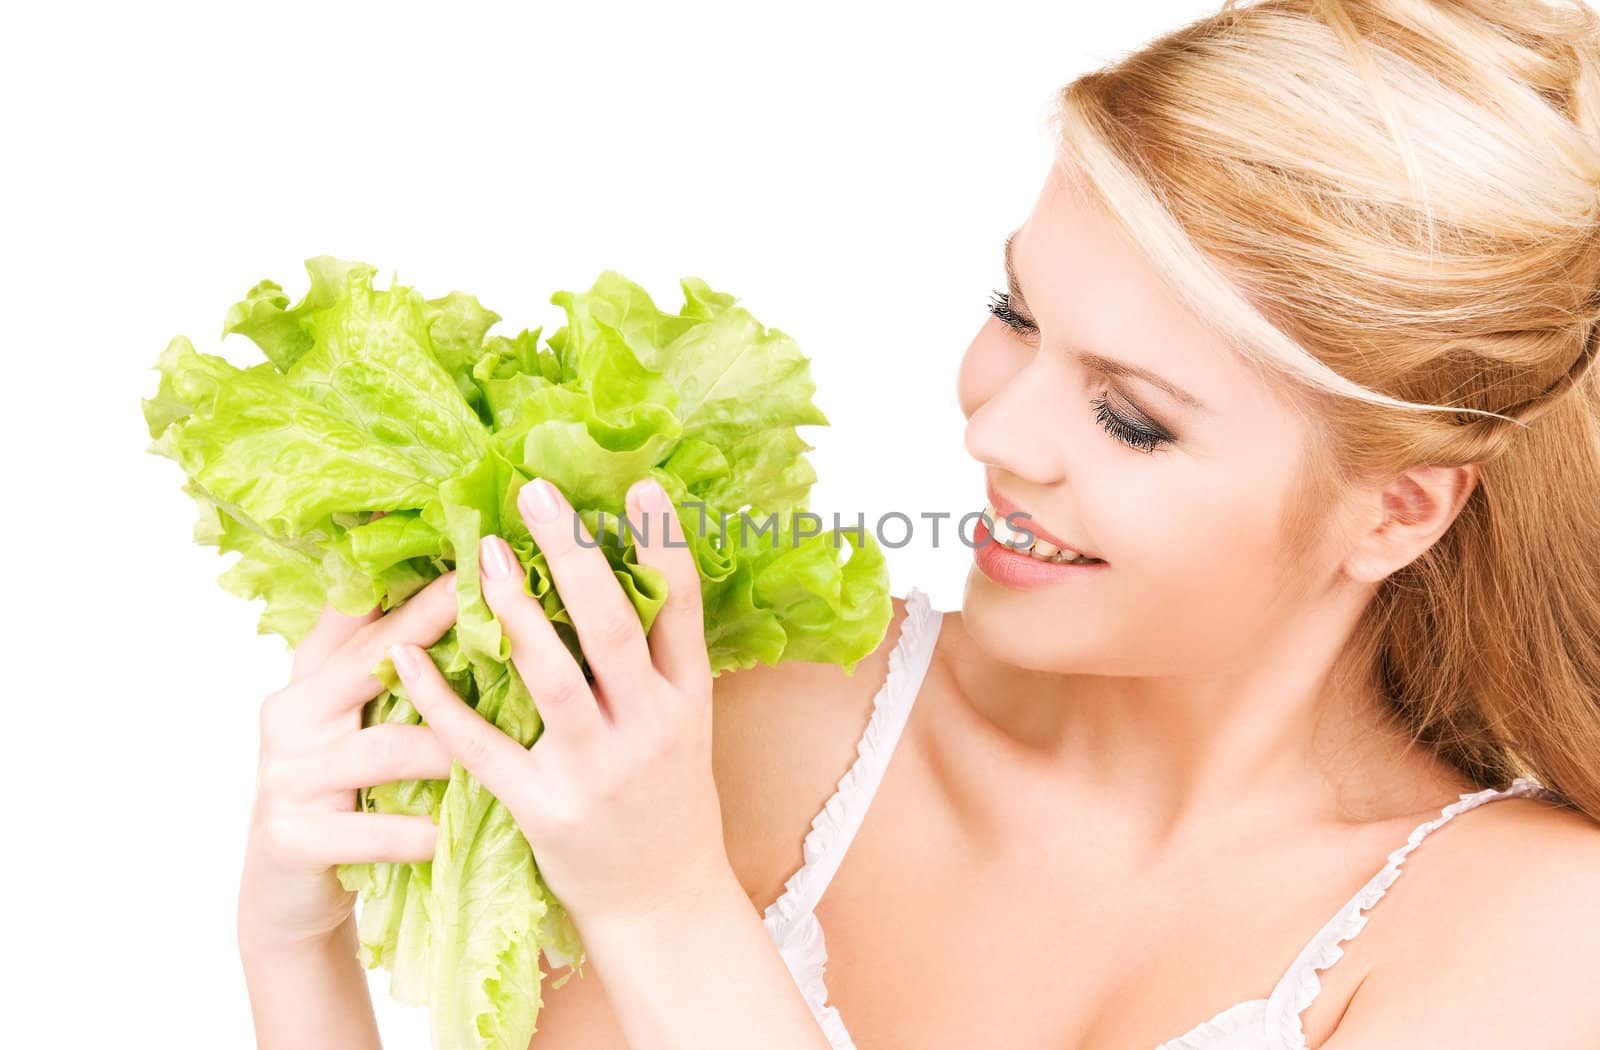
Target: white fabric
x,y
789,919
1274,1023
1255,1024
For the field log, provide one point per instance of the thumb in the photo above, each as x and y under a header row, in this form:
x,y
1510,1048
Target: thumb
x,y
332,630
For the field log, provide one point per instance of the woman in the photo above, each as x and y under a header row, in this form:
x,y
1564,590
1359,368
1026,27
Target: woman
x,y
1298,350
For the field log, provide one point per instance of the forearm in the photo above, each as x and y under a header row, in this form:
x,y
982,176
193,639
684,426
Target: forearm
x,y
709,978
308,993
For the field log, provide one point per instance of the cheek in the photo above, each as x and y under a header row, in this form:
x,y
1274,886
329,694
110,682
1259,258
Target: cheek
x,y
1204,549
992,358
1220,523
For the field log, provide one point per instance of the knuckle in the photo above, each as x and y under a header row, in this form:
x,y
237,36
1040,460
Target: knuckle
x,y
474,751
367,635
274,777
359,655
370,651
611,789
683,612
385,752
563,816
271,721
614,629
558,690
280,835
656,741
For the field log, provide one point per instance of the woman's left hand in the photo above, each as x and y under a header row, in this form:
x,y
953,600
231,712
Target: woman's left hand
x,y
616,796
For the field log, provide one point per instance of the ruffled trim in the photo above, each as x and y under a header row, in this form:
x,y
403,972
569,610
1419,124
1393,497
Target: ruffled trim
x,y
806,954
834,827
1239,1019
1300,984
789,919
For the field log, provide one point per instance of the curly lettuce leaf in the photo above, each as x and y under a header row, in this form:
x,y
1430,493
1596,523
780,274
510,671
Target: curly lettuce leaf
x,y
385,434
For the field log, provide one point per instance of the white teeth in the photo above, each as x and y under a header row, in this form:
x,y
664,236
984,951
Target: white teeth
x,y
1044,550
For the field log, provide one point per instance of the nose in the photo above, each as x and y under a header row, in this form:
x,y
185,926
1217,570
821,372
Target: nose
x,y
1019,428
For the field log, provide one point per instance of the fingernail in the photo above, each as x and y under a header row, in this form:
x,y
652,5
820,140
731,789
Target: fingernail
x,y
406,660
538,500
649,495
496,557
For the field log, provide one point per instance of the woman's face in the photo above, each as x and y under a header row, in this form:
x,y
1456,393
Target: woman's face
x,y
1196,576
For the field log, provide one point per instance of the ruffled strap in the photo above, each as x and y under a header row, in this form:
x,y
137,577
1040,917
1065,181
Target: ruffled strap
x,y
789,919
806,954
1301,984
833,829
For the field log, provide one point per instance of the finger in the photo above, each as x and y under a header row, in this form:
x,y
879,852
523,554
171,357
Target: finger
x,y
332,629
360,838
607,623
382,754
560,693
421,619
498,761
677,635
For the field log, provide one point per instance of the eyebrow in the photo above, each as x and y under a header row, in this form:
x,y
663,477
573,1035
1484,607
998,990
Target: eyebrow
x,y
1099,362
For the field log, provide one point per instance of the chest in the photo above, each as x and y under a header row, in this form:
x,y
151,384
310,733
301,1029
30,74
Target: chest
x,y
939,936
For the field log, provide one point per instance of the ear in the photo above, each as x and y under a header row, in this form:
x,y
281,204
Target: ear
x,y
1405,517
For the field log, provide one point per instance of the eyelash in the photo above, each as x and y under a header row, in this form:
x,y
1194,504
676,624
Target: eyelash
x,y
1136,437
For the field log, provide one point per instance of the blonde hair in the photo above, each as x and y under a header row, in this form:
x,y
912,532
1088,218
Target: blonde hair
x,y
1393,207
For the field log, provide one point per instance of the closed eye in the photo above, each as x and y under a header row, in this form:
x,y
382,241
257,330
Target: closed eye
x,y
1000,306
1129,432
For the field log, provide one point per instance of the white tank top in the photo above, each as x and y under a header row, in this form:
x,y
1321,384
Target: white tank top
x,y
1272,1023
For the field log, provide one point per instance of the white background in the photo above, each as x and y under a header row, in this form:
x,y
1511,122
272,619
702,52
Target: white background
x,y
848,171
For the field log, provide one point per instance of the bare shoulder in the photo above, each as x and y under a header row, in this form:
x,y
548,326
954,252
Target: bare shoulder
x,y
1519,851
1534,882
783,735
1494,925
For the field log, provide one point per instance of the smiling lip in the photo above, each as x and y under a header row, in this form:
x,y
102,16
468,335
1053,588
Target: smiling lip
x,y
1011,511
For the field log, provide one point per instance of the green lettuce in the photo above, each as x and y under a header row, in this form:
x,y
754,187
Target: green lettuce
x,y
386,433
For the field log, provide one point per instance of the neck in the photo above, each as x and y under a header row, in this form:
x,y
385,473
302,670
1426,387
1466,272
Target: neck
x,y
1296,733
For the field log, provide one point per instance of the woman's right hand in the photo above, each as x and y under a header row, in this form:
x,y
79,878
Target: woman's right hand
x,y
315,754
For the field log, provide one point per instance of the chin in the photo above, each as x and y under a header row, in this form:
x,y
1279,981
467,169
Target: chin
x,y
1024,628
